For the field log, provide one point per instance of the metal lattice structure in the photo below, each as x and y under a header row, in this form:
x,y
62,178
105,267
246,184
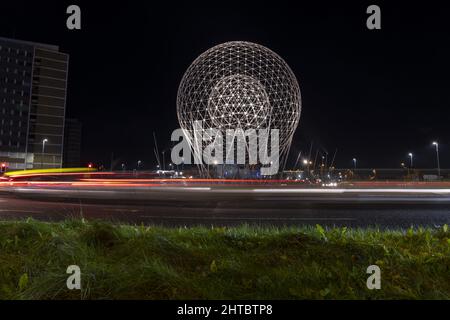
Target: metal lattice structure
x,y
241,85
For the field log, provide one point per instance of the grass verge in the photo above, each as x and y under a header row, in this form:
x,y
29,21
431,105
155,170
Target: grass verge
x,y
147,262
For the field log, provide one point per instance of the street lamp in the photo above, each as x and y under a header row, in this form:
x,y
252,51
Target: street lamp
x,y
354,162
43,151
139,164
411,158
437,157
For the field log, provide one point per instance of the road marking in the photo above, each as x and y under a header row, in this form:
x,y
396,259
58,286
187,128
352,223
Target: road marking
x,y
127,210
249,218
19,211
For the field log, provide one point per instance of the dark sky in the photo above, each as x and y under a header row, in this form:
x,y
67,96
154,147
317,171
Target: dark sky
x,y
374,95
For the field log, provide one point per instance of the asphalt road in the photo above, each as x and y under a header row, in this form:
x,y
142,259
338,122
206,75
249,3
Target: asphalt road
x,y
187,206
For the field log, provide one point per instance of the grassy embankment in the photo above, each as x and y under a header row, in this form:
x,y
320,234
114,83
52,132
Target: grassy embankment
x,y
140,262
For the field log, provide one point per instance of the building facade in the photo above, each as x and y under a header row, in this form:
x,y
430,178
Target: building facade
x,y
72,143
33,86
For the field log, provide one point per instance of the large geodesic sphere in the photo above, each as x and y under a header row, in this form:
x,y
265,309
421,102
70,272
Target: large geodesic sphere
x,y
240,85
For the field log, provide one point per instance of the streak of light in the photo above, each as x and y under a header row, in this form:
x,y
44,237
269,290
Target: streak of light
x,y
49,171
323,190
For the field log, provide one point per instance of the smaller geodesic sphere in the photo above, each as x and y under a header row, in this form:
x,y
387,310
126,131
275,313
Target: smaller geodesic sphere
x,y
239,101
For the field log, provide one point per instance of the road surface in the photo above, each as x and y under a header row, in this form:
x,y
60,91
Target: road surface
x,y
204,205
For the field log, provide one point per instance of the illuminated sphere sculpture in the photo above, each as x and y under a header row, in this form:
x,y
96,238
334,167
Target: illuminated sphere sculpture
x,y
240,85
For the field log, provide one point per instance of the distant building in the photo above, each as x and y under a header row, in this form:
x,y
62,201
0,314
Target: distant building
x,y
72,143
33,86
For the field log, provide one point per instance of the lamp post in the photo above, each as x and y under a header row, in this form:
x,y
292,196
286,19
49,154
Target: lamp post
x,y
354,162
138,164
215,168
43,151
306,166
164,160
437,157
411,159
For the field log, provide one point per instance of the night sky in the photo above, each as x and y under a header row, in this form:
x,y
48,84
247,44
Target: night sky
x,y
374,95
